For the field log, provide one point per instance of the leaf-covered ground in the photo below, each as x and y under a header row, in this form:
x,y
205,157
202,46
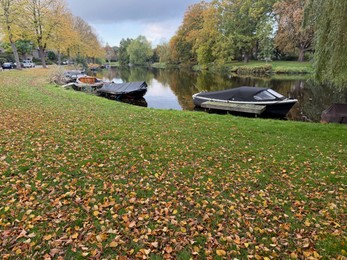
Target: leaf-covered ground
x,y
85,177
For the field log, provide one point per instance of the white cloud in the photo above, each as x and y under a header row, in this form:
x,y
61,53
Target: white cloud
x,y
157,33
113,20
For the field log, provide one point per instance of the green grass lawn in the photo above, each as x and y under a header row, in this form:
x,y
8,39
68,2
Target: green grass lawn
x,y
273,67
287,67
86,177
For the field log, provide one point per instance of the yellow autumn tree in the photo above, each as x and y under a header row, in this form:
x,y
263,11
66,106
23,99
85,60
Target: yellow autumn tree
x,y
88,44
10,13
40,20
64,36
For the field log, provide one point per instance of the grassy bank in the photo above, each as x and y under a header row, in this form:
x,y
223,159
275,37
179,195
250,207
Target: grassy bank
x,y
252,67
258,67
276,67
85,177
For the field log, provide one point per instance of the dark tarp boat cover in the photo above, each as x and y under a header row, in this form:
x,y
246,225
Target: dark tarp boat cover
x,y
123,88
244,93
336,113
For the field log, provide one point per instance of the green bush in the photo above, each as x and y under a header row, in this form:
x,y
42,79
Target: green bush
x,y
6,57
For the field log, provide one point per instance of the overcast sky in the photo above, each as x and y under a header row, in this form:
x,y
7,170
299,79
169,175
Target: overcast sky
x,y
114,20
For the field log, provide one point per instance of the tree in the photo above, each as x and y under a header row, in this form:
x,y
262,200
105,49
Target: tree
x,y
110,53
164,52
87,44
291,34
123,55
240,21
65,36
207,37
182,42
329,18
139,50
42,17
266,38
10,11
24,47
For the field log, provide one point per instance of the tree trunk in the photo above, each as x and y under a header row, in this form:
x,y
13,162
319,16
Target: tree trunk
x,y
59,58
16,56
245,57
301,55
42,56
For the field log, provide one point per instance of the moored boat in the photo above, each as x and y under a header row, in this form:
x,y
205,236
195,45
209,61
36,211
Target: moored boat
x,y
264,102
123,90
72,75
89,80
336,113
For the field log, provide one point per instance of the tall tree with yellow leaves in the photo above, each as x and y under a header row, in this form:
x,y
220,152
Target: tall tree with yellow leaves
x,y
182,43
42,18
10,11
64,36
88,44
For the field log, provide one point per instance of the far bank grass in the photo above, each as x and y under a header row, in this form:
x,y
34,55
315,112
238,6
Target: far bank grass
x,y
275,67
278,67
85,177
271,67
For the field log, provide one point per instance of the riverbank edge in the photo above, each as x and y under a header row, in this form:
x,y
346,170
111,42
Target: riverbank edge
x,y
253,67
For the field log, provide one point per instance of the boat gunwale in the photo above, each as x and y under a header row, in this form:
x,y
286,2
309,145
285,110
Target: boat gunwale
x,y
283,101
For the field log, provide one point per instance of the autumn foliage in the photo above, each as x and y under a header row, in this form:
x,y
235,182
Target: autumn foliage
x,y
86,177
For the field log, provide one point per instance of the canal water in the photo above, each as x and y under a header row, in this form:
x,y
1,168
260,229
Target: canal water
x,y
173,88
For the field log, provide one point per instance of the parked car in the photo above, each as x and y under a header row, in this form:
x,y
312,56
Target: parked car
x,y
28,64
8,65
67,62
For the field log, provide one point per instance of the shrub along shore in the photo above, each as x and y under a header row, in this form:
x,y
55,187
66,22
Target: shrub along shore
x,y
86,177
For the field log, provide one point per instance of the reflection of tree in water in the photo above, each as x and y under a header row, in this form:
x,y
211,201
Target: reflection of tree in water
x,y
140,74
127,74
108,74
208,81
181,82
135,74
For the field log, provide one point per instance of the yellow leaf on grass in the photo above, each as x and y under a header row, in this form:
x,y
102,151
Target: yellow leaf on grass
x,y
155,244
113,244
145,251
47,237
101,237
125,218
293,255
132,224
74,236
221,252
168,249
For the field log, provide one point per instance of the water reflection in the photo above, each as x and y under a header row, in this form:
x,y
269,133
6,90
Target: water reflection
x,y
173,88
141,102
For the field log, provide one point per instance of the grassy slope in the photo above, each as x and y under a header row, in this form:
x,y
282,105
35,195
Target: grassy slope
x,y
85,176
